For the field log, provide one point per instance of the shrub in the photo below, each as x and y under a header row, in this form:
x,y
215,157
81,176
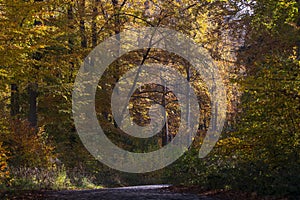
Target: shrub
x,y
4,171
29,147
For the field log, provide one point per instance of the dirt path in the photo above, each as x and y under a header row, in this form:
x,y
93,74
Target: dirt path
x,y
127,193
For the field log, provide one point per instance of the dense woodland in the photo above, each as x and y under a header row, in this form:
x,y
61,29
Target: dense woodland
x,y
255,44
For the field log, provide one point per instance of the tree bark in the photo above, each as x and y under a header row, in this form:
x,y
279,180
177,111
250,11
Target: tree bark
x,y
165,130
188,78
70,41
14,100
82,24
33,94
298,26
33,86
94,23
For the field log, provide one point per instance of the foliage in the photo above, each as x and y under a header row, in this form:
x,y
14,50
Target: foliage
x,y
254,43
270,119
262,155
27,146
57,177
4,171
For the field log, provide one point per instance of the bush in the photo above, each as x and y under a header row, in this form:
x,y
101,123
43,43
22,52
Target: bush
x,y
4,171
29,147
55,178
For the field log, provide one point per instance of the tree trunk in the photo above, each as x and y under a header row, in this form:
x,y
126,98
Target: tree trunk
x,y
82,24
14,100
94,24
33,87
298,26
188,78
33,93
165,130
71,41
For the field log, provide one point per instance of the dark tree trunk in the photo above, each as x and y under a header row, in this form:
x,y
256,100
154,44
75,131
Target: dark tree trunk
x,y
33,87
14,100
94,24
82,25
164,135
71,41
298,26
33,93
165,130
188,78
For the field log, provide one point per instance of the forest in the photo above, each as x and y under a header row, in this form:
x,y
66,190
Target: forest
x,y
254,44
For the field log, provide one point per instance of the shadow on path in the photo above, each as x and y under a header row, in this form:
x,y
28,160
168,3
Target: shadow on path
x,y
148,192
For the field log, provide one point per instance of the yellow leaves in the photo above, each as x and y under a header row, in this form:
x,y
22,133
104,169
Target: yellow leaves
x,y
277,14
290,7
3,73
4,172
27,147
229,141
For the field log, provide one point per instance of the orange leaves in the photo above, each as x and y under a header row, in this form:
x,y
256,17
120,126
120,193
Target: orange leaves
x,y
4,172
28,147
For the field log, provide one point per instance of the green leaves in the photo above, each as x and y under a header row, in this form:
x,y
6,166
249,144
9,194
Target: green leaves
x,y
270,103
